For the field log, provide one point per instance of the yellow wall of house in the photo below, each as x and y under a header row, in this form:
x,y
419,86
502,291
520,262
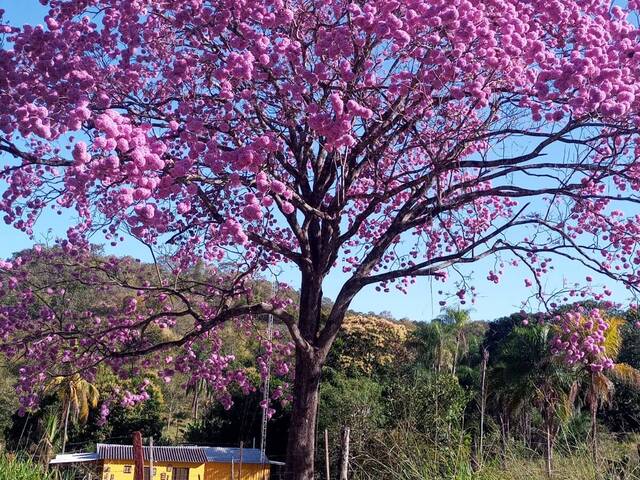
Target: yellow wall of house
x,y
115,470
222,471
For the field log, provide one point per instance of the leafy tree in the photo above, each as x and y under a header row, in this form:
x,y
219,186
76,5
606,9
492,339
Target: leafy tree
x,y
146,417
498,330
357,403
526,375
432,401
630,346
241,423
369,345
623,412
425,420
8,398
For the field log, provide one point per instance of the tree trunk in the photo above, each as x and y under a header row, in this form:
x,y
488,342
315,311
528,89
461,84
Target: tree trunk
x,y
301,441
66,427
549,449
170,418
309,362
195,404
503,438
594,433
483,403
455,356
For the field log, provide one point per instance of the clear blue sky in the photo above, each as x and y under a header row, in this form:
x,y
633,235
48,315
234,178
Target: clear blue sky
x,y
419,304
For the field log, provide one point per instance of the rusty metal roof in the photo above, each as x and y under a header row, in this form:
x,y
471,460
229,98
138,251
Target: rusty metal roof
x,y
198,455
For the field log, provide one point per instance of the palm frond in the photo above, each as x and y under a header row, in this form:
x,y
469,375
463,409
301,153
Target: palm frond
x,y
626,374
600,389
613,337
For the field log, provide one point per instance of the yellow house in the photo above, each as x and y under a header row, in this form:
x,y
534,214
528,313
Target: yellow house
x,y
115,462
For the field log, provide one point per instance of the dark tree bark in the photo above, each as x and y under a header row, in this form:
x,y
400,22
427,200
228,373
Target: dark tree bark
x,y
301,441
310,358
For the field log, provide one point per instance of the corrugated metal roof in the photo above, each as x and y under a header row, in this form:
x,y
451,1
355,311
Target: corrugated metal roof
x,y
226,455
160,454
186,454
74,458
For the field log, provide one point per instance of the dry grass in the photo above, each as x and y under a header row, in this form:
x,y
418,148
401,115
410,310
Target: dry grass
x,y
617,461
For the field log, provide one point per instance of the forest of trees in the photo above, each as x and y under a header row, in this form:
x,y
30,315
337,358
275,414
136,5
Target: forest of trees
x,y
452,398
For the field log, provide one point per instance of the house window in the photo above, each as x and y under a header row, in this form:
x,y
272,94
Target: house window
x,y
127,469
180,474
146,473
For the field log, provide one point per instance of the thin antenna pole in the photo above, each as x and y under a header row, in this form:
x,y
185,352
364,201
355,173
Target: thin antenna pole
x,y
151,476
265,396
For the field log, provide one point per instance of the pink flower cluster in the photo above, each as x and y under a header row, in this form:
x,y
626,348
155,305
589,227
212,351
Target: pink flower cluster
x,y
121,304
581,337
130,399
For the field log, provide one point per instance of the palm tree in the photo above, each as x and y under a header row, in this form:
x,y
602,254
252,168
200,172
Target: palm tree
x,y
77,396
598,386
433,345
526,375
456,320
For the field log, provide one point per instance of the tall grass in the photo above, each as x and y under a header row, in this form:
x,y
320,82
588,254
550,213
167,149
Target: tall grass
x,y
406,456
15,468
618,460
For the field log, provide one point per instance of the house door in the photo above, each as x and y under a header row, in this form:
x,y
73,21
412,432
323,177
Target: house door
x,y
180,474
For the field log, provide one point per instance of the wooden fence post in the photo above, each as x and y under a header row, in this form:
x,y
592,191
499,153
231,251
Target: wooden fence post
x,y
344,453
326,453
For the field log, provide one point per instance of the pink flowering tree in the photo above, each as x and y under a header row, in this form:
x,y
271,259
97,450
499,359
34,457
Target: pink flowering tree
x,y
386,139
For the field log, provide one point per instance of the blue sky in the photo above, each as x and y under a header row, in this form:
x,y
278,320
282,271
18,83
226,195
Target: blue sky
x,y
421,303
